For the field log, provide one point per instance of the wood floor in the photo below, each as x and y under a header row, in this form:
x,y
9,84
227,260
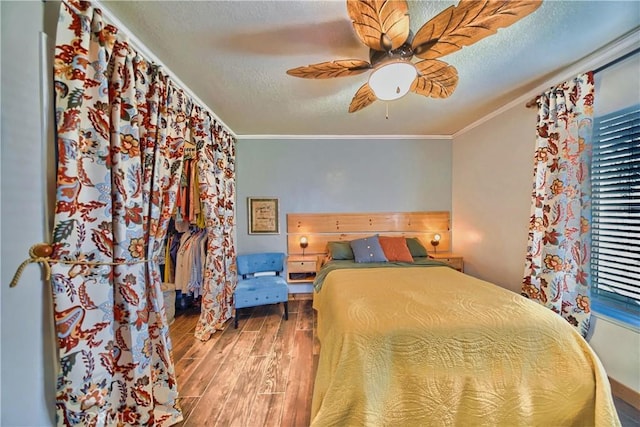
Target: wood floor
x,y
262,373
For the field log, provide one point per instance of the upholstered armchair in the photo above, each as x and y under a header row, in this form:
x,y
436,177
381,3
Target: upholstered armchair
x,y
256,289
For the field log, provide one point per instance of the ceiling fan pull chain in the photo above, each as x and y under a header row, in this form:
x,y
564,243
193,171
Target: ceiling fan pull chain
x,y
387,105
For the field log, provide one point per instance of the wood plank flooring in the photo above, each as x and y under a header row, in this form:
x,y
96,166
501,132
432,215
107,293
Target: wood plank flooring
x,y
260,374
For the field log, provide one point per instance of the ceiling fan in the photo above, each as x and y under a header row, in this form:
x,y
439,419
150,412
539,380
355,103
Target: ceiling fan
x,y
383,25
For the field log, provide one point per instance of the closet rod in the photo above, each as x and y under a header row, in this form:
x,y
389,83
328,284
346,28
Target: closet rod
x,y
534,101
143,49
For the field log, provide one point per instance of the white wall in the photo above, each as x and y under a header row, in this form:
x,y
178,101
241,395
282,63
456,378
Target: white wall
x,y
27,345
492,182
344,175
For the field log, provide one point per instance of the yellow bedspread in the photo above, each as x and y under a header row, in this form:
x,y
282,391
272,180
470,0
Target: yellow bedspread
x,y
435,347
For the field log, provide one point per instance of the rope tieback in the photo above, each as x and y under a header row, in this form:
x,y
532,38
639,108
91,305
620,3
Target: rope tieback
x,y
37,253
40,253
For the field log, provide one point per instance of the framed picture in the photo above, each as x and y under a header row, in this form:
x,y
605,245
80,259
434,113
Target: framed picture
x,y
263,216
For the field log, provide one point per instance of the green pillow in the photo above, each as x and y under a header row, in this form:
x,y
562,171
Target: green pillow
x,y
416,248
340,250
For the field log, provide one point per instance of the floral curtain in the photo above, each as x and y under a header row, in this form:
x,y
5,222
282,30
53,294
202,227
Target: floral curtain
x,y
557,261
215,150
121,126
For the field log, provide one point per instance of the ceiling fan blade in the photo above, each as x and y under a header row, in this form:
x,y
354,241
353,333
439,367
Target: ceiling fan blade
x,y
436,79
363,98
381,24
331,69
467,23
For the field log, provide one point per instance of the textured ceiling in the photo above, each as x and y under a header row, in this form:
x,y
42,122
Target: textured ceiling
x,y
234,55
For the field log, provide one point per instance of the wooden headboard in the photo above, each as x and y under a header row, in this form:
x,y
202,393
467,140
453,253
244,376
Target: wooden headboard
x,y
320,228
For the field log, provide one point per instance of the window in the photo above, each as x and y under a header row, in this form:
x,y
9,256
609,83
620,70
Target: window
x,y
615,179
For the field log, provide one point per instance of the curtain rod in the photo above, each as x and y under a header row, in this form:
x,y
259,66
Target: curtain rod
x,y
142,48
615,61
534,101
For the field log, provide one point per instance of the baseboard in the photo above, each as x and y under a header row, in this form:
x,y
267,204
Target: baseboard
x,y
625,393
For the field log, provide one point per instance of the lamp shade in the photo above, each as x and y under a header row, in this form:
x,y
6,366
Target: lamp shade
x,y
392,80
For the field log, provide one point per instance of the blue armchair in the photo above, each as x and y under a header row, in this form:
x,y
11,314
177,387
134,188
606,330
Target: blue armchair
x,y
253,290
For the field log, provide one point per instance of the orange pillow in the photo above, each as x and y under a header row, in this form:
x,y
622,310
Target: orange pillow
x,y
395,248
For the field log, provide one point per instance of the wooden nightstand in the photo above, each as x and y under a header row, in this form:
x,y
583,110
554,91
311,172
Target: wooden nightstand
x,y
451,259
301,269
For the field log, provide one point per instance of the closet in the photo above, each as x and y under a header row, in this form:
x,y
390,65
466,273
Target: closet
x,y
185,246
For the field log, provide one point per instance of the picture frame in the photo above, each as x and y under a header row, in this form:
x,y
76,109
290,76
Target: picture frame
x,y
263,215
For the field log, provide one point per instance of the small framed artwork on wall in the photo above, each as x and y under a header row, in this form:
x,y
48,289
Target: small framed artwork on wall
x,y
263,215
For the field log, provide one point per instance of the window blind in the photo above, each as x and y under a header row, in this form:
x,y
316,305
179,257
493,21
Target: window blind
x,y
615,180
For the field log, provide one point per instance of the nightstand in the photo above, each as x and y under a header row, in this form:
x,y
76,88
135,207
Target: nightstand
x,y
301,269
449,258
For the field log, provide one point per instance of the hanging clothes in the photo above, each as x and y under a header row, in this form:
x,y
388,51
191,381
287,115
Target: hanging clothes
x,y
189,222
189,271
199,249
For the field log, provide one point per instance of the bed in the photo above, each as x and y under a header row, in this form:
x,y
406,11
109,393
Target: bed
x,y
418,343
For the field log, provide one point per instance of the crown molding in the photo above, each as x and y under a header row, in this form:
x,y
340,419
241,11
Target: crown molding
x,y
602,56
389,137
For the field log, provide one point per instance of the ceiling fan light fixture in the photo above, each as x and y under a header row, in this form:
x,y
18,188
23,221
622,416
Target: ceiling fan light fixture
x,y
392,80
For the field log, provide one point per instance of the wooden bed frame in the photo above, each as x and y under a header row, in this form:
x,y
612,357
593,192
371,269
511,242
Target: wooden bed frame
x,y
320,228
